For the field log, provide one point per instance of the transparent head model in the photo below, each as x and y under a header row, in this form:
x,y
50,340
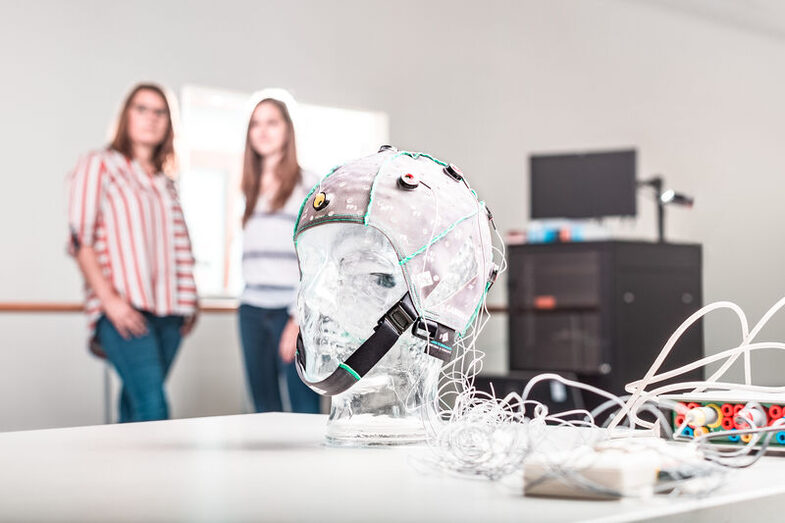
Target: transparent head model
x,y
350,278
395,259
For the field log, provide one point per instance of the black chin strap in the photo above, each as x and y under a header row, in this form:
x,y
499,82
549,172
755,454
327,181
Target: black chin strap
x,y
391,326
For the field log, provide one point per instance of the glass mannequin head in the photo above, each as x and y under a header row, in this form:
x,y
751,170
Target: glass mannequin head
x,y
350,276
395,260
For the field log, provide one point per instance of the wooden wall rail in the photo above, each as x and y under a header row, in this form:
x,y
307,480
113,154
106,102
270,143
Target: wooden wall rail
x,y
46,307
207,306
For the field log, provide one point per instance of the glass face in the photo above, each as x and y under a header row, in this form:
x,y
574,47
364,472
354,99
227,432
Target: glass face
x,y
350,277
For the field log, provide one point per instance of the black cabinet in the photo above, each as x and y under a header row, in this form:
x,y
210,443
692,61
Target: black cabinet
x,y
602,310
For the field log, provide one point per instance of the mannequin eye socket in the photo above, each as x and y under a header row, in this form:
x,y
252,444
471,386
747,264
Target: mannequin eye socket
x,y
384,279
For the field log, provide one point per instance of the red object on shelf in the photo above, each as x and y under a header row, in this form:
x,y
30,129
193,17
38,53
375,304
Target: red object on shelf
x,y
727,423
727,409
545,302
775,413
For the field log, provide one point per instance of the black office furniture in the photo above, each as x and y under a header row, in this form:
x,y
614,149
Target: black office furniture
x,y
602,310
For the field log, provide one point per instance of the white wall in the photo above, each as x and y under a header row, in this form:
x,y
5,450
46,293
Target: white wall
x,y
482,85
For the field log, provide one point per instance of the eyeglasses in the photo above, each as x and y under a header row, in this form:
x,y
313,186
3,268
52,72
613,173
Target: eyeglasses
x,y
143,109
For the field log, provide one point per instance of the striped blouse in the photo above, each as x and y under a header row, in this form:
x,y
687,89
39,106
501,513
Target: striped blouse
x,y
270,267
135,224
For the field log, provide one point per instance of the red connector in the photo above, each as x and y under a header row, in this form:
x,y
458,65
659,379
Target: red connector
x,y
727,410
775,413
727,423
736,409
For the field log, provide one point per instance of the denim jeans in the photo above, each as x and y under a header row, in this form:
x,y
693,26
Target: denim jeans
x,y
143,363
260,334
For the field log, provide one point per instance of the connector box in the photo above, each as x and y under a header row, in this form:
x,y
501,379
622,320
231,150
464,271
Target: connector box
x,y
730,411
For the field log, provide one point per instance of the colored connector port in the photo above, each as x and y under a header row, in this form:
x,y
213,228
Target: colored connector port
x,y
734,438
781,437
736,409
679,420
692,405
775,412
699,431
716,423
687,432
746,438
727,410
727,423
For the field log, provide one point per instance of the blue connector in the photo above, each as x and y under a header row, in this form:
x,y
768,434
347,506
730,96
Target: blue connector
x,y
781,437
688,432
735,438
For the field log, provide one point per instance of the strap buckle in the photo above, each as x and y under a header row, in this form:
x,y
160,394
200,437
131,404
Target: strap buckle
x,y
401,315
439,339
425,329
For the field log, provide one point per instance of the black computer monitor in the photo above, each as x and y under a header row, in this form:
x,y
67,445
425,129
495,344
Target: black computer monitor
x,y
585,185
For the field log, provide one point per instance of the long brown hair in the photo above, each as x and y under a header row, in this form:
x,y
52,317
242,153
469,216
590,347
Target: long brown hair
x,y
164,158
287,170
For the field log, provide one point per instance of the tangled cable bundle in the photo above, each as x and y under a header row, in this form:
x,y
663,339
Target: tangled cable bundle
x,y
478,434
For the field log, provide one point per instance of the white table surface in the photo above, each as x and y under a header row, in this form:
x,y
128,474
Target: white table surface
x,y
275,467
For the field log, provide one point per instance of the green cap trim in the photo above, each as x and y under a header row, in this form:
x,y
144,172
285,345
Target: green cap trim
x,y
350,371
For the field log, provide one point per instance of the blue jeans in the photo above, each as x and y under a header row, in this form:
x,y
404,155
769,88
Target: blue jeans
x,y
260,334
143,363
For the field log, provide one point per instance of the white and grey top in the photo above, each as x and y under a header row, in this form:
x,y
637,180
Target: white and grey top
x,y
269,261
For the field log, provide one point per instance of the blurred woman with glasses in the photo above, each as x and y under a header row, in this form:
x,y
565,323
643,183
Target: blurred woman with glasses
x,y
129,238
